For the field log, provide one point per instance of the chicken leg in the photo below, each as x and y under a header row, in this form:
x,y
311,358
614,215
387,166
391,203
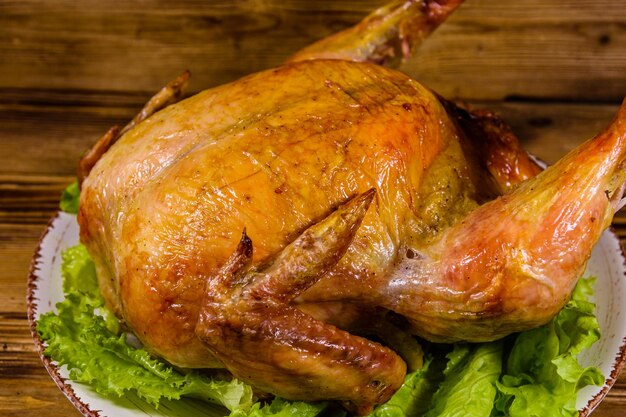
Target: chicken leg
x,y
511,264
248,323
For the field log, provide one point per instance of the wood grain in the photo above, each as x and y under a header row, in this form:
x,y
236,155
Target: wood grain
x,y
488,50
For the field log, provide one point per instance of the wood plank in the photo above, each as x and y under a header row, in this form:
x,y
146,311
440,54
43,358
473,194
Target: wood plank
x,y
17,247
30,199
52,138
38,397
574,49
540,49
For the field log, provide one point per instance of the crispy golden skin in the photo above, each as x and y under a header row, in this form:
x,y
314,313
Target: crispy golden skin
x,y
420,230
274,153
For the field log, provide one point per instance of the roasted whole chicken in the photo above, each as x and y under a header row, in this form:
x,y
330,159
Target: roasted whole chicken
x,y
265,225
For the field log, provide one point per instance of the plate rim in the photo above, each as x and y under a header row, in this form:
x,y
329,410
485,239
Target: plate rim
x,y
619,362
31,308
620,359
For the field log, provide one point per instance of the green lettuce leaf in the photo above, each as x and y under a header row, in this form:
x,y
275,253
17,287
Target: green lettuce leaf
x,y
542,373
283,408
83,335
469,386
541,378
414,396
70,198
79,272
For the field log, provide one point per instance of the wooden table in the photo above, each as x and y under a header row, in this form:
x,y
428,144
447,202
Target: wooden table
x,y
68,70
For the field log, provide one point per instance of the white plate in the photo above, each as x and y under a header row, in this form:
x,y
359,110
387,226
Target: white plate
x,y
44,291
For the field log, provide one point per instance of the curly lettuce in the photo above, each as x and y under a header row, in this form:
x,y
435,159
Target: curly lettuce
x,y
534,373
543,375
84,336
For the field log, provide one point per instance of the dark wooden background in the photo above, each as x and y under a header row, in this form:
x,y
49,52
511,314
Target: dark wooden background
x,y
70,69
